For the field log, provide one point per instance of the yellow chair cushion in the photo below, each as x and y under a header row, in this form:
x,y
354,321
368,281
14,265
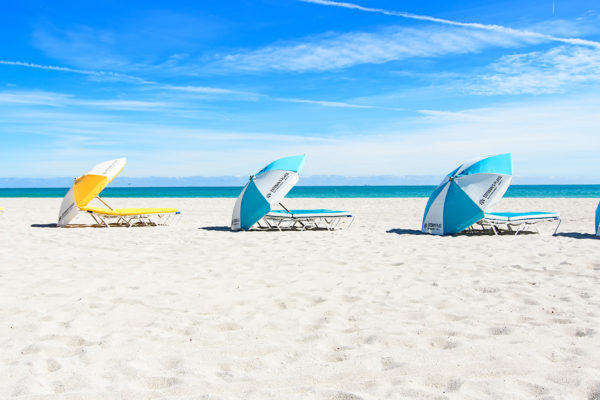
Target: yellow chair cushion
x,y
128,211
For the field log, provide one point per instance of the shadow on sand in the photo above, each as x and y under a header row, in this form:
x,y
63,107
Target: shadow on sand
x,y
463,233
44,225
228,229
216,228
406,232
478,232
578,235
75,226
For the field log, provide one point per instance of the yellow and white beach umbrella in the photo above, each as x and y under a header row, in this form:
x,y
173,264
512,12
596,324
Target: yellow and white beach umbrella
x,y
87,187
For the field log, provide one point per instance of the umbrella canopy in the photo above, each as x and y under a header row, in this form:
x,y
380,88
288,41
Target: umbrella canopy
x,y
268,187
87,187
460,200
598,220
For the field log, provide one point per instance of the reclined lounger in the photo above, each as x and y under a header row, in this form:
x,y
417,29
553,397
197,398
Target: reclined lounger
x,y
519,220
306,219
88,187
132,216
253,208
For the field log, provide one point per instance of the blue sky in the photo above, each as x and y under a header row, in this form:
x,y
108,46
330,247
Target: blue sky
x,y
363,88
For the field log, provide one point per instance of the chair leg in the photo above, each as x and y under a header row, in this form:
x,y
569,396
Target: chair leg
x,y
495,229
557,225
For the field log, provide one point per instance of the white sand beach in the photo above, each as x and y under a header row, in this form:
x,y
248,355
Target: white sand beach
x,y
381,311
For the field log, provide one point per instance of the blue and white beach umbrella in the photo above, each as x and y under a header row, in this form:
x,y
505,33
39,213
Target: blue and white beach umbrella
x,y
598,220
266,188
460,200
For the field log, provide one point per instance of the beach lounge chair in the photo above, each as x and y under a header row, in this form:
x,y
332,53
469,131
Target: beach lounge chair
x,y
306,219
131,216
517,221
267,188
87,188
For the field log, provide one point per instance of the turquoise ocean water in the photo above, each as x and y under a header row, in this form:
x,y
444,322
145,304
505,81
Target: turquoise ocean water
x,y
310,191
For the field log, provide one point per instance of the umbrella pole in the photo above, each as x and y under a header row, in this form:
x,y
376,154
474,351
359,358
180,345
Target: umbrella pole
x,y
102,201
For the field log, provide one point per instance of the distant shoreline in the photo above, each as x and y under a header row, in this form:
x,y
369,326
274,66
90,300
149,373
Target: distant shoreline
x,y
362,191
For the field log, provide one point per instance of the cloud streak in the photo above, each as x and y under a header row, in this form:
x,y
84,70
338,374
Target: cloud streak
x,y
214,92
63,100
48,67
60,99
541,72
530,129
105,75
206,90
322,103
54,100
489,27
331,52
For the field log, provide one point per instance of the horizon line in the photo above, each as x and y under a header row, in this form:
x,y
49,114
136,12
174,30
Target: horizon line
x,y
297,185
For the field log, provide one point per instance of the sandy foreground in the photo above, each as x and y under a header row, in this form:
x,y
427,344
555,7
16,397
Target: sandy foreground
x,y
193,311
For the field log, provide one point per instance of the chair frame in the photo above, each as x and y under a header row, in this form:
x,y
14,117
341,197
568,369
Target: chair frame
x,y
498,226
135,220
289,221
153,219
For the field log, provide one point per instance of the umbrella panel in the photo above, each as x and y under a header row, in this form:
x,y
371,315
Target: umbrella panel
x,y
87,187
460,211
253,207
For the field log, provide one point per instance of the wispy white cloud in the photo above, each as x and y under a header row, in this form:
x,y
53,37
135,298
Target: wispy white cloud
x,y
206,90
441,115
533,130
541,72
336,51
436,142
253,96
525,34
52,99
35,97
209,91
133,42
60,99
322,103
83,46
587,24
63,100
75,137
257,96
48,67
124,104
108,75
98,75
